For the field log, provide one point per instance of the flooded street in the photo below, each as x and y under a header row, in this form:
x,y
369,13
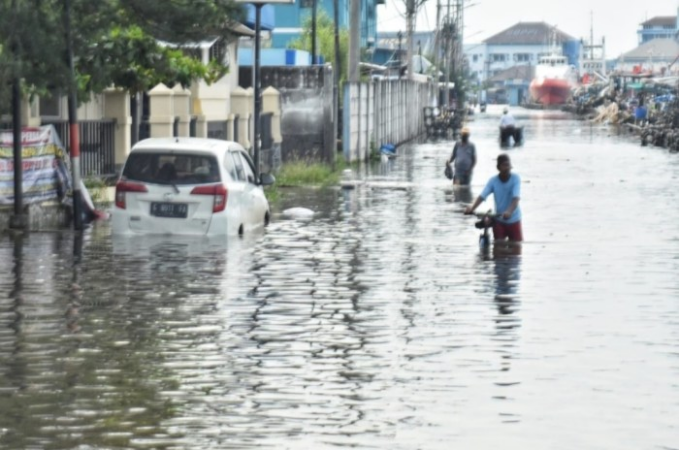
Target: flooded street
x,y
377,324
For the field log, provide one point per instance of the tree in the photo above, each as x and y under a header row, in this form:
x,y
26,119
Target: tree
x,y
325,35
115,43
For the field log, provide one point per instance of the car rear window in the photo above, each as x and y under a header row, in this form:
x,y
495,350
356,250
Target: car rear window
x,y
171,168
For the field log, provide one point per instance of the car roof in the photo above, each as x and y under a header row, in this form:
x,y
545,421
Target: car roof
x,y
186,144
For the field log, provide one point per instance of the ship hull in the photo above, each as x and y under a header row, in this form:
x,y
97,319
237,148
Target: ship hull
x,y
550,91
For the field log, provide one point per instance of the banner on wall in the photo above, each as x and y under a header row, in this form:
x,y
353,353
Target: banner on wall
x,y
46,167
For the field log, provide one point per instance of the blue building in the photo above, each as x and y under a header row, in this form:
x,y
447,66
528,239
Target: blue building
x,y
660,27
290,20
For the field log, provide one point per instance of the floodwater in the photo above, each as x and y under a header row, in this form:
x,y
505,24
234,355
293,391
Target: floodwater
x,y
378,324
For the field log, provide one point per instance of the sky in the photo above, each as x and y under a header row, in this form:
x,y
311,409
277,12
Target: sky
x,y
617,20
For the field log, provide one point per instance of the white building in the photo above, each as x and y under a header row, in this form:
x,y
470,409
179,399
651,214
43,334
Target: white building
x,y
656,56
521,44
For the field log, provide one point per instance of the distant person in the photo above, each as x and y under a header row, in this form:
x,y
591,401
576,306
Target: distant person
x,y
640,113
507,121
508,128
464,157
506,190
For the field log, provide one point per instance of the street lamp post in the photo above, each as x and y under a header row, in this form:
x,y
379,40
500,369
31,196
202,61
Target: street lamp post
x,y
258,4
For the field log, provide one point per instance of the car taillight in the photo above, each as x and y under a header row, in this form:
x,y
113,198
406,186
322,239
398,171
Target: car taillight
x,y
217,190
126,186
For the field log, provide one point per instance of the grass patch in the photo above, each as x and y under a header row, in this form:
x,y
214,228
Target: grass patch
x,y
96,188
305,174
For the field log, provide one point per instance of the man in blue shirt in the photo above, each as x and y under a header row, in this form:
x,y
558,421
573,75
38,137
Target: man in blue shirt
x,y
506,189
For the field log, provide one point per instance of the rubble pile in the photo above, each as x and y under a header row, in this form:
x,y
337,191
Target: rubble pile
x,y
664,131
650,109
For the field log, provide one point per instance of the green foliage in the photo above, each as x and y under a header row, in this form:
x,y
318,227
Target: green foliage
x,y
115,42
96,188
325,40
301,173
304,174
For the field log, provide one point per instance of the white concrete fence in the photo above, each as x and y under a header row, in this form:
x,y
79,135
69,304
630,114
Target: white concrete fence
x,y
382,112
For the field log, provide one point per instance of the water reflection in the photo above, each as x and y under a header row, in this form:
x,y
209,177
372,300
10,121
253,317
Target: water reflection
x,y
506,261
379,324
463,194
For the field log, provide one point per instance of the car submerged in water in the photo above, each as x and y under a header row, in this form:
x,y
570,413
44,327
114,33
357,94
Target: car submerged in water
x,y
189,186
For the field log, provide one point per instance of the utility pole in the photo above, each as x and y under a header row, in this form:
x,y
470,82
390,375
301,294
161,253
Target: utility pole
x,y
314,16
400,61
258,87
410,26
447,46
338,67
74,136
17,221
354,40
437,39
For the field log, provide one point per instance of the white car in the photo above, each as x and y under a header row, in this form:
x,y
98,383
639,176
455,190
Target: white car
x,y
189,186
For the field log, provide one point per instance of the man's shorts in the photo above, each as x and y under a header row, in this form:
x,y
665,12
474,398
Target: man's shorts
x,y
462,179
511,231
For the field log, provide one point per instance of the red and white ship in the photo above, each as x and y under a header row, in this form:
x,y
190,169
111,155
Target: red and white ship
x,y
554,80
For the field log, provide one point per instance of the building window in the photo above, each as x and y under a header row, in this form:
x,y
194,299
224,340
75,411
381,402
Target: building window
x,y
522,57
475,58
497,57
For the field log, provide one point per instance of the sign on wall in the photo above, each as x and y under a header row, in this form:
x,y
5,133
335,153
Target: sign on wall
x,y
46,174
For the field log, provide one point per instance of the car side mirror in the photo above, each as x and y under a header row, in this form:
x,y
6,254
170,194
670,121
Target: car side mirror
x,y
266,179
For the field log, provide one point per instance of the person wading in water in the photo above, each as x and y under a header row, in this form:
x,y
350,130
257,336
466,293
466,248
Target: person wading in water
x,y
506,190
464,156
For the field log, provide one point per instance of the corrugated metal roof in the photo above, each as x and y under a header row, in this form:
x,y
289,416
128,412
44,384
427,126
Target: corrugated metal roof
x,y
529,33
661,21
656,49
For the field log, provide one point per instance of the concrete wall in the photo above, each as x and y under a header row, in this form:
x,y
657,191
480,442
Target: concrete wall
x,y
383,112
307,122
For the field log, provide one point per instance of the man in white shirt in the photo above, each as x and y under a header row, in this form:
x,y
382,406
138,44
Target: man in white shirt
x,y
507,119
508,129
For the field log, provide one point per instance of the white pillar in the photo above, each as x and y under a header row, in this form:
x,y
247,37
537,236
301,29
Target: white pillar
x,y
182,109
161,116
117,107
242,104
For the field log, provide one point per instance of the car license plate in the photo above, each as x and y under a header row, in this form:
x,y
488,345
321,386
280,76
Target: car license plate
x,y
178,210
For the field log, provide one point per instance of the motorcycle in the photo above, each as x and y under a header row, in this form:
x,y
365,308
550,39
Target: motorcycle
x,y
485,222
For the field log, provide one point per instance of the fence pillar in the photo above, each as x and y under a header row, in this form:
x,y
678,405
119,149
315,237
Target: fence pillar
x,y
242,103
182,109
161,116
271,101
30,112
117,107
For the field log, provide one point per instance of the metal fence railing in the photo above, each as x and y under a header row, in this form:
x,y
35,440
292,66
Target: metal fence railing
x,y
236,120
192,126
97,145
266,135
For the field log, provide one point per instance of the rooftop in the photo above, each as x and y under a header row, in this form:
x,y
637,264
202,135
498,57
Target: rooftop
x,y
657,49
529,33
661,21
